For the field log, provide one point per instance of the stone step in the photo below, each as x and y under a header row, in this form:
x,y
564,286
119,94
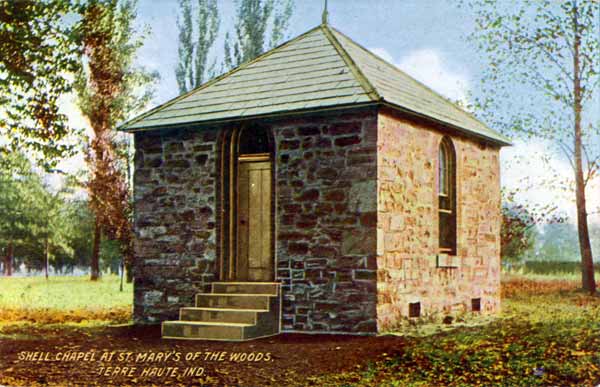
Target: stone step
x,y
213,331
234,311
203,330
270,288
244,316
232,301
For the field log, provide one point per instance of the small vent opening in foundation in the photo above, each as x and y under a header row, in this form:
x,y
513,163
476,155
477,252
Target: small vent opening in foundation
x,y
476,304
414,309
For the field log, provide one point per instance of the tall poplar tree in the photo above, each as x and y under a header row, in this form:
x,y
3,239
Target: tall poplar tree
x,y
547,52
260,25
110,88
196,37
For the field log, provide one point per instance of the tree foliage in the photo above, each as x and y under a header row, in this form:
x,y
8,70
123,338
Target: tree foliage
x,y
260,25
38,54
33,220
558,242
520,223
40,225
518,234
16,181
549,53
196,37
110,88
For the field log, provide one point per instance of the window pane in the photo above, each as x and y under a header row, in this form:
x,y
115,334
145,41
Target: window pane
x,y
447,231
442,171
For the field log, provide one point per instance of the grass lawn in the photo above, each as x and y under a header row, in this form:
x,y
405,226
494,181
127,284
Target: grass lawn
x,y
548,334
64,299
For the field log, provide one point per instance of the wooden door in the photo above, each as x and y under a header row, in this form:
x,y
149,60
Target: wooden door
x,y
254,252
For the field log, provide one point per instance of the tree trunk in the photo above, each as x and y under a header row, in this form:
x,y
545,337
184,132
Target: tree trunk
x,y
8,259
46,253
122,267
587,262
95,264
129,272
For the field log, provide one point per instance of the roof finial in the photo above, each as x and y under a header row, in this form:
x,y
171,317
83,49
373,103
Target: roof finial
x,y
325,14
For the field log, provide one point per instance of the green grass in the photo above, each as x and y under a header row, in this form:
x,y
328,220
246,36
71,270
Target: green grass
x,y
541,277
64,293
547,334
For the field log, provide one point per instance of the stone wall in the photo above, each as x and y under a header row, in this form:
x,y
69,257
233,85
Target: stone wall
x,y
175,225
327,215
409,269
356,221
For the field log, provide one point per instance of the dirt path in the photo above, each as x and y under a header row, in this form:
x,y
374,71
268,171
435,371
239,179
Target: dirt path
x,y
50,357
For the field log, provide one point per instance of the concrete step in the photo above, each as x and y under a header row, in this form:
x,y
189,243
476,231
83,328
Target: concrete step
x,y
270,288
244,316
234,311
192,330
203,330
232,301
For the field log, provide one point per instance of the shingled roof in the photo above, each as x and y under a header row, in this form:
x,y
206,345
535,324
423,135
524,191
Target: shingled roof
x,y
320,69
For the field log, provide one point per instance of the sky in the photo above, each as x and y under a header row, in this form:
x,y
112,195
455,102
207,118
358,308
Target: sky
x,y
425,38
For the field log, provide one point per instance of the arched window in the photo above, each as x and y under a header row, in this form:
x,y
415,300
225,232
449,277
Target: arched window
x,y
447,196
253,140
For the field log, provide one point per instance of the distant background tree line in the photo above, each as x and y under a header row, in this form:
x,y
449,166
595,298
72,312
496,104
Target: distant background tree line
x,y
542,248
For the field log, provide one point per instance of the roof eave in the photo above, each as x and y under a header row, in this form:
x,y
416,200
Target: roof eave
x,y
500,140
275,115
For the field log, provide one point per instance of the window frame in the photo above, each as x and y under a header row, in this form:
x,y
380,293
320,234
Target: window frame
x,y
447,197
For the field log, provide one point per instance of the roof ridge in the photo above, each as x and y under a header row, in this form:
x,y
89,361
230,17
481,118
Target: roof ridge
x,y
242,66
395,68
364,82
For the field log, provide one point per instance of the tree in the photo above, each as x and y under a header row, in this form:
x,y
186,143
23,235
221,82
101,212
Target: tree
x,y
548,52
254,20
195,42
520,222
38,52
52,226
559,242
109,89
31,216
82,225
518,233
15,175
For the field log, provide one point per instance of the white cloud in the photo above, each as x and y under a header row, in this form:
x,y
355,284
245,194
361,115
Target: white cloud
x,y
544,182
428,66
382,52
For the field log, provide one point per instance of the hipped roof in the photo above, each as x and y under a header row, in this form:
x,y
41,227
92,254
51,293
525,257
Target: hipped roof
x,y
320,69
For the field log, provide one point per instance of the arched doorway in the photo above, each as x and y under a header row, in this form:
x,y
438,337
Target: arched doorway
x,y
247,205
